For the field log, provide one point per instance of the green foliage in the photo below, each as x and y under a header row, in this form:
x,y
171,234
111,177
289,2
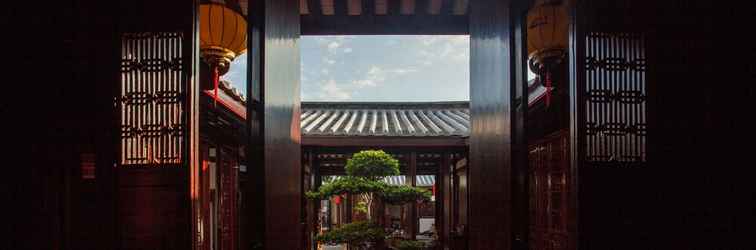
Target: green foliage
x,y
366,171
355,233
361,207
372,165
388,193
409,245
403,194
346,185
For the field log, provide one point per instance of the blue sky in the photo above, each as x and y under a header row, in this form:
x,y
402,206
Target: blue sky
x,y
379,68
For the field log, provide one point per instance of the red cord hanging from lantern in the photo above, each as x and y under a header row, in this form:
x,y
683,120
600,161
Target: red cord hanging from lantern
x,y
547,33
547,84
216,79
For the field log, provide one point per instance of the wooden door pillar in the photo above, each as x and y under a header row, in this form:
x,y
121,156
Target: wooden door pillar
x,y
491,90
273,113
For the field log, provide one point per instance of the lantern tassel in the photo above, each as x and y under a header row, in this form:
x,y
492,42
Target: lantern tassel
x,y
215,82
548,88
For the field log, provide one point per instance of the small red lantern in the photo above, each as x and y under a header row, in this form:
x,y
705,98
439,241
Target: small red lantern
x,y
337,200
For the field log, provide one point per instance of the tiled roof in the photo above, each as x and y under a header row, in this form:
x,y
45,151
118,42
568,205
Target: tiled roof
x,y
536,92
397,180
385,119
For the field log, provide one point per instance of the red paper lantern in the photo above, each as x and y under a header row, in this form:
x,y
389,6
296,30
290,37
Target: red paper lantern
x,y
337,200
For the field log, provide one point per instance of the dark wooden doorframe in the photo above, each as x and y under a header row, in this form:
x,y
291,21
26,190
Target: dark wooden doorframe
x,y
273,119
492,90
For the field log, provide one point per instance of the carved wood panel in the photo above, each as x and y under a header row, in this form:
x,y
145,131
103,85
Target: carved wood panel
x,y
151,98
549,171
615,97
229,176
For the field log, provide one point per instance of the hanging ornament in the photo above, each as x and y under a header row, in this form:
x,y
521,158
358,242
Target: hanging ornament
x,y
223,37
548,88
547,31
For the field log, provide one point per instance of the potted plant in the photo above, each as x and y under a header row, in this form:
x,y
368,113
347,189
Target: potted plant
x,y
365,173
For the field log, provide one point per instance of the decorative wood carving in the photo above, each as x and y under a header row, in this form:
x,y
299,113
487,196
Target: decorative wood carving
x,y
549,193
151,100
615,97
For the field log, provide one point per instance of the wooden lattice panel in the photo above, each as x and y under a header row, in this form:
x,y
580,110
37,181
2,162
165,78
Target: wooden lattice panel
x,y
151,99
549,193
615,97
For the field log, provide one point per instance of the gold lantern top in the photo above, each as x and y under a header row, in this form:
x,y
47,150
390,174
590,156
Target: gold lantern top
x,y
548,25
223,35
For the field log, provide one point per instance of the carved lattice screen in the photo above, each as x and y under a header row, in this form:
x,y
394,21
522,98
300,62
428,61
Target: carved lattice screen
x,y
615,100
151,99
549,192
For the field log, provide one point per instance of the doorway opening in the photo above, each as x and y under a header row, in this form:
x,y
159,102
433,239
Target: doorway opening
x,y
406,95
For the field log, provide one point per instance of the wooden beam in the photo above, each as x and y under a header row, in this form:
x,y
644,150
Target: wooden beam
x,y
490,177
446,7
443,199
314,8
435,6
407,7
384,25
340,8
394,7
411,175
354,7
460,7
422,7
368,8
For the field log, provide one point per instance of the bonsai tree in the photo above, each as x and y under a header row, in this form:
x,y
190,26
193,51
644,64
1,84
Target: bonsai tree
x,y
365,173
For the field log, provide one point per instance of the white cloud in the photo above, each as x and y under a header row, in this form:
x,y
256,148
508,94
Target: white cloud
x,y
333,45
328,60
443,48
365,83
429,40
377,75
348,50
375,70
324,71
331,91
403,71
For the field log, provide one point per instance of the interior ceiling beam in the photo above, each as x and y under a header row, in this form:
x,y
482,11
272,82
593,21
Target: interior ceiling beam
x,y
314,8
340,7
354,7
328,8
407,7
384,25
460,7
381,7
434,7
423,7
368,7
394,7
304,7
